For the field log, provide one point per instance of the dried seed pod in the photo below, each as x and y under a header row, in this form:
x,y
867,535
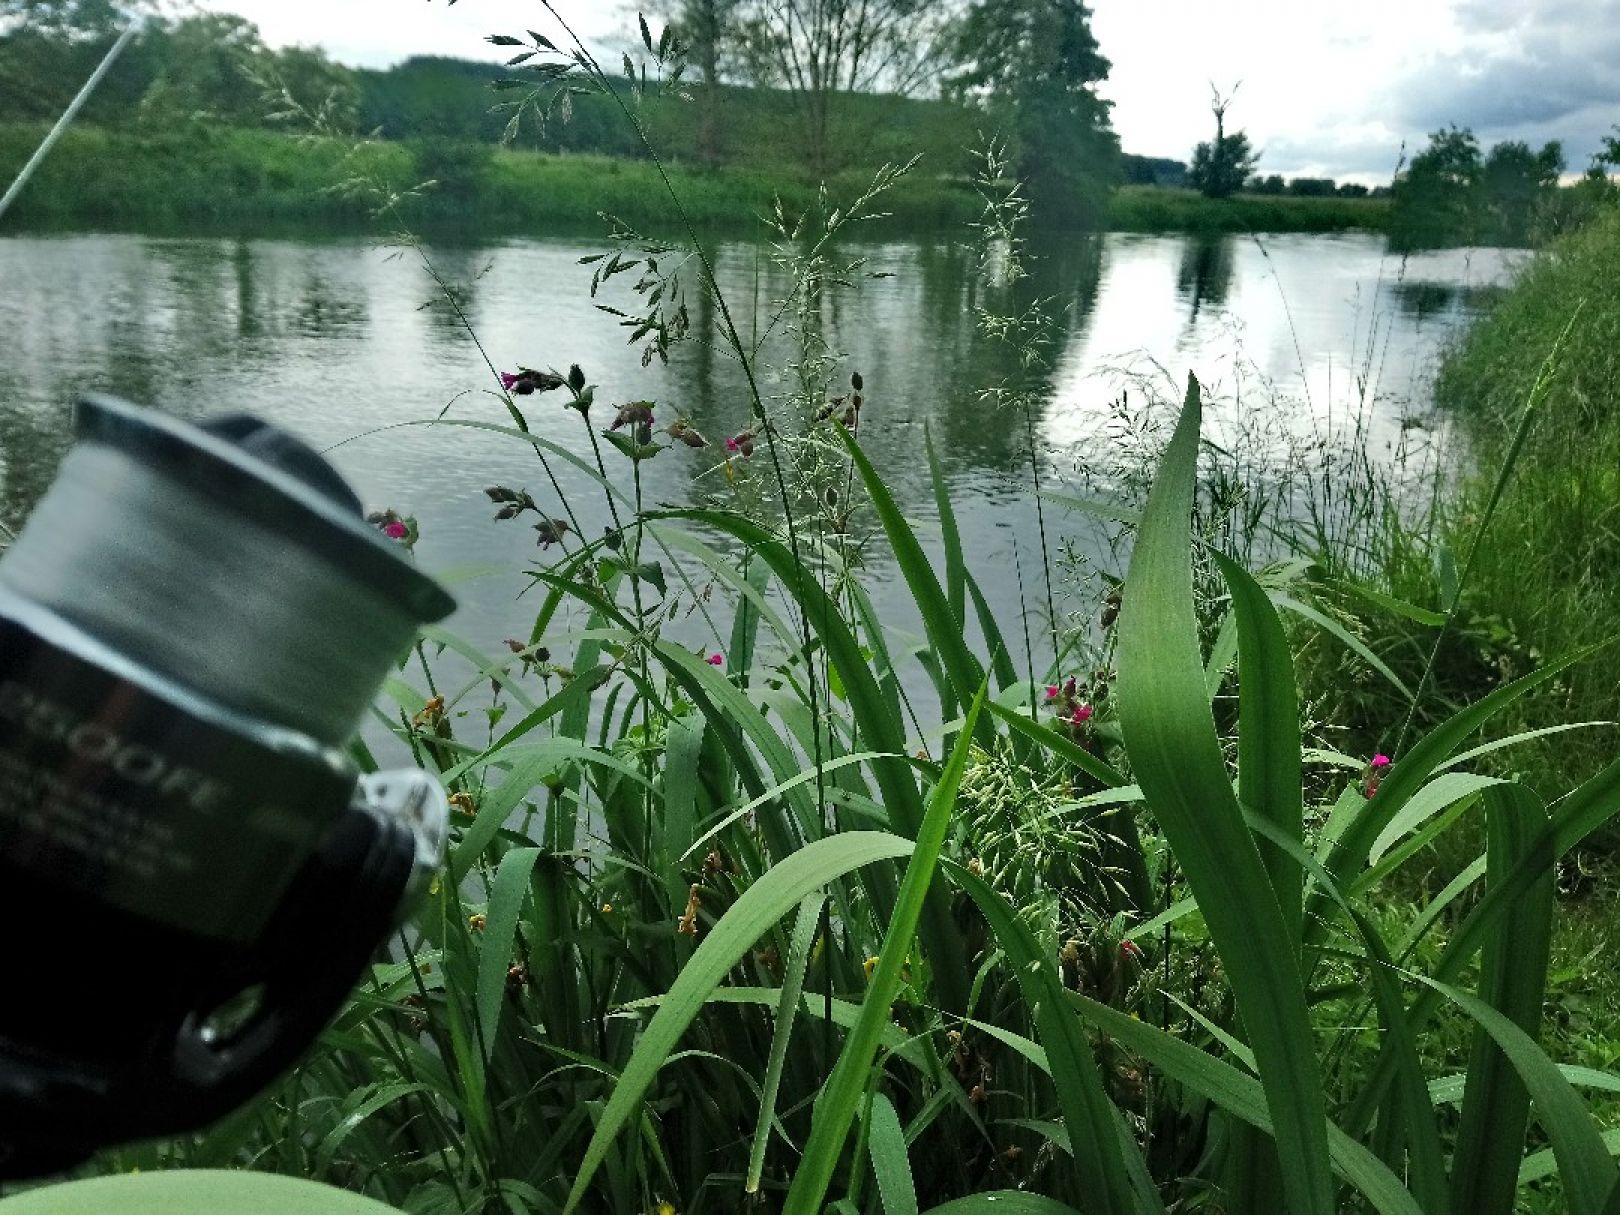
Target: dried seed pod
x,y
551,531
635,413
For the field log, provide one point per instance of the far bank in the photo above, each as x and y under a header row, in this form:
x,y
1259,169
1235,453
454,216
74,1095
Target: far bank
x,y
227,177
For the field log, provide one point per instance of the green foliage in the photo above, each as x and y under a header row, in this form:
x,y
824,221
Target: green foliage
x,y
1219,168
1034,65
1547,581
1156,209
761,925
1453,194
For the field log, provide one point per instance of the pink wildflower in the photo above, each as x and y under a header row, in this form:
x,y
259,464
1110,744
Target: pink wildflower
x,y
731,444
1051,691
1380,761
715,660
1082,714
395,530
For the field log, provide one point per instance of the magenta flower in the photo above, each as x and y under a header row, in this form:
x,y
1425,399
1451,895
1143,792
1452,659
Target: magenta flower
x,y
1380,761
509,380
1082,714
1051,691
395,530
715,660
731,444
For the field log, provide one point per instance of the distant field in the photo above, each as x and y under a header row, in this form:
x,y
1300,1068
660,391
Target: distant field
x,y
234,178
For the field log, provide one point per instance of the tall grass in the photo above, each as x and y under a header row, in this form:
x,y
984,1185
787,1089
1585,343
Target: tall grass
x,y
712,929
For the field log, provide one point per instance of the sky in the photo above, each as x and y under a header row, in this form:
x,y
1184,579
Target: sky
x,y
1323,89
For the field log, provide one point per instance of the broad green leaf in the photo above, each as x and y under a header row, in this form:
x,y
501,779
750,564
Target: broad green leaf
x,y
1268,733
945,628
955,568
1176,755
191,1192
506,897
1588,1172
1412,771
891,1163
1513,981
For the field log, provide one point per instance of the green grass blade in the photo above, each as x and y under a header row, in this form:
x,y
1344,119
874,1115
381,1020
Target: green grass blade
x,y
1584,1163
1105,512
891,1162
529,765
873,720
745,921
683,751
804,932
500,928
1425,1165
1222,653
1413,770
1350,641
1585,809
1399,607
944,627
1513,981
1269,762
1000,659
1064,748
1243,1097
846,1086
1087,1112
955,567
1170,736
1439,794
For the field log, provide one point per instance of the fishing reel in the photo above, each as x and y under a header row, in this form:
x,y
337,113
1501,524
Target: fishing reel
x,y
193,871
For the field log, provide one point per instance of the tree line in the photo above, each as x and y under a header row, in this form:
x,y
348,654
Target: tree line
x,y
811,87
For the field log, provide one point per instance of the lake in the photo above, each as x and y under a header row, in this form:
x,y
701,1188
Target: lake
x,y
1300,335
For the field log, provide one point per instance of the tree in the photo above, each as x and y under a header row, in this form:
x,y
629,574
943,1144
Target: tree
x,y
1518,182
1439,199
708,29
48,48
823,50
1219,169
1036,64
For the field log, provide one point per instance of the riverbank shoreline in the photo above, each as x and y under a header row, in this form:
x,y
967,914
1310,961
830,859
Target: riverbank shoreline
x,y
236,180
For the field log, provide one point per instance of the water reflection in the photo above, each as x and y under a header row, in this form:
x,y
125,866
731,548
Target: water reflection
x,y
330,338
1205,273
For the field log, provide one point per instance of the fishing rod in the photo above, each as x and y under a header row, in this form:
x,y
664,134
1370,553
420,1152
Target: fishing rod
x,y
68,115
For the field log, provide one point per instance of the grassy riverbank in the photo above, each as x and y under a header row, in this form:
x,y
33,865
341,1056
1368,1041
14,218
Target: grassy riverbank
x,y
1548,575
240,178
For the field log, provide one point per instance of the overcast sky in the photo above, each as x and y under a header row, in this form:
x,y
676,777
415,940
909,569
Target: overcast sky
x,y
1327,89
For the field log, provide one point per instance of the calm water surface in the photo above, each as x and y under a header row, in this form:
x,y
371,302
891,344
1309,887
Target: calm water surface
x,y
331,339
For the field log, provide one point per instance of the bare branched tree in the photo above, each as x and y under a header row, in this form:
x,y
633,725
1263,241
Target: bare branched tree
x,y
823,50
